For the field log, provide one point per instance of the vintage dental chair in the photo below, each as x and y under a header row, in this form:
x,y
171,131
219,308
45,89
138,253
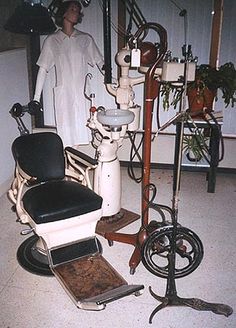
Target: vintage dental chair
x,y
51,193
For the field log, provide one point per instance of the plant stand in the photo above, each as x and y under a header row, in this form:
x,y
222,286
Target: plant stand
x,y
214,150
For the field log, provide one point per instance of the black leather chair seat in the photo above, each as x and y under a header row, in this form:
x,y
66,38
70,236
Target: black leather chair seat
x,y
58,200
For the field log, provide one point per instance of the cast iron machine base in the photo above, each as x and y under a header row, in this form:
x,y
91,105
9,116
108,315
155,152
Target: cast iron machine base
x,y
194,303
171,243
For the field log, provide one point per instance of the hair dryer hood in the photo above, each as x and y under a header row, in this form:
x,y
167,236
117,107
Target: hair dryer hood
x,y
115,117
30,19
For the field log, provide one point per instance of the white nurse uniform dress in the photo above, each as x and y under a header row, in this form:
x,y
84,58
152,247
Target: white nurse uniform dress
x,y
71,57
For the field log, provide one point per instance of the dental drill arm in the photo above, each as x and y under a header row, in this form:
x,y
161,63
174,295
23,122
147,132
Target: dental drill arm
x,y
112,89
137,80
42,73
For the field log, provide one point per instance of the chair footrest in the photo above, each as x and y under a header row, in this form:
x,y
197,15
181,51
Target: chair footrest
x,y
102,299
87,277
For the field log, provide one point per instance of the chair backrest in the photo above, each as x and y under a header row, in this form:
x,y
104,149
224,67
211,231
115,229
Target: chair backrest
x,y
40,155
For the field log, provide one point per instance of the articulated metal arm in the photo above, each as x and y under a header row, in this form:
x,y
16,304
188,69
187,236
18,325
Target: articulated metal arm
x,y
17,111
135,12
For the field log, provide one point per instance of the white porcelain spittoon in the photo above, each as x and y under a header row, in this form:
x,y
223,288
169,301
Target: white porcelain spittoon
x,y
115,119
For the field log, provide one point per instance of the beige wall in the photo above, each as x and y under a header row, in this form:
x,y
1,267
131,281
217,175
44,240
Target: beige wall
x,y
13,88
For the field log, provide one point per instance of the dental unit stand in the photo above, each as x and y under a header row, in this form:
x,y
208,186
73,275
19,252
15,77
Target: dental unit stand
x,y
112,125
151,92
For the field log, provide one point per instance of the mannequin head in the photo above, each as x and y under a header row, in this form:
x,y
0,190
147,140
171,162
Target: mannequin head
x,y
70,11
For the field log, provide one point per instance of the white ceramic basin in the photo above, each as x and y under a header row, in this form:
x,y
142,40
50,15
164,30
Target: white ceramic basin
x,y
115,117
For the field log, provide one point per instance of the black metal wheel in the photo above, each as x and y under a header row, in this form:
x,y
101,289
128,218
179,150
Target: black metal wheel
x,y
31,259
155,250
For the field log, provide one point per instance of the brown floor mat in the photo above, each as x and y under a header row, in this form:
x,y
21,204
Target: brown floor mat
x,y
88,277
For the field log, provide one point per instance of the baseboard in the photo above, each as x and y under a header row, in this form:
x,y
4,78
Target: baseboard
x,y
166,166
5,186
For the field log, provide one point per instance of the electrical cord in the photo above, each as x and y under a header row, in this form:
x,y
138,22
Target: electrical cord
x,y
219,131
129,27
220,135
203,149
117,28
96,136
134,152
158,114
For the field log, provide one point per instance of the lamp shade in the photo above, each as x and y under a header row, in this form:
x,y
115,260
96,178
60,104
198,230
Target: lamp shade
x,y
30,19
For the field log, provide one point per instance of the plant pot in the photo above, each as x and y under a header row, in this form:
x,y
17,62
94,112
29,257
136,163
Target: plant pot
x,y
192,157
200,100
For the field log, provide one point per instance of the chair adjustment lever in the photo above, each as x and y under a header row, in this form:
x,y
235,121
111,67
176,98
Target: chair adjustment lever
x,y
26,231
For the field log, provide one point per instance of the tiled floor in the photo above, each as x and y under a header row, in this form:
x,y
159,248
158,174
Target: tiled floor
x,y
31,301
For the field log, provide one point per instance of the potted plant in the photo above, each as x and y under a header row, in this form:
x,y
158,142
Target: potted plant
x,y
201,93
196,146
207,81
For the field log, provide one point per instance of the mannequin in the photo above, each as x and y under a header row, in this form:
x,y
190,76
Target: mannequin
x,y
70,51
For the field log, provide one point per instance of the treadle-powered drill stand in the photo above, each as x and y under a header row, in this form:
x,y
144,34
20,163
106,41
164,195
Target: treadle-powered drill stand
x,y
170,241
175,240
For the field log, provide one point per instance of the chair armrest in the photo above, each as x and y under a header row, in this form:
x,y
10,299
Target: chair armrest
x,y
79,164
15,194
80,157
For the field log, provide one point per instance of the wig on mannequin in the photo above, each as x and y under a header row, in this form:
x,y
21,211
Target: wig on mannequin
x,y
62,10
